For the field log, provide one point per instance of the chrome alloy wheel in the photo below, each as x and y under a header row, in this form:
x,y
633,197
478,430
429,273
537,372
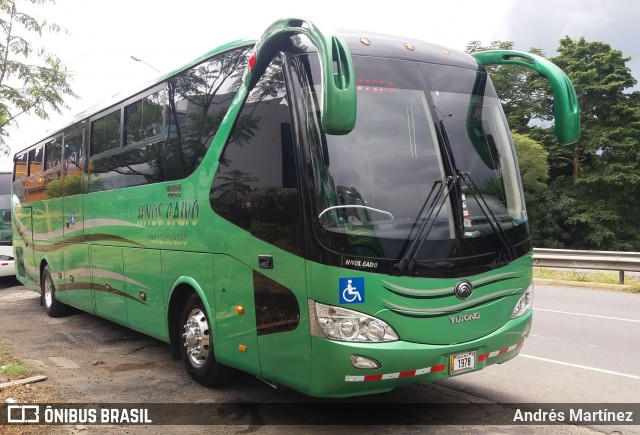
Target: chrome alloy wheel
x,y
196,337
48,292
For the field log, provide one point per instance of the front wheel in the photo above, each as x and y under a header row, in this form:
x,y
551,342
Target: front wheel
x,y
196,345
52,306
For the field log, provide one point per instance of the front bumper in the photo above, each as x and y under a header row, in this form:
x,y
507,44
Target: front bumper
x,y
402,362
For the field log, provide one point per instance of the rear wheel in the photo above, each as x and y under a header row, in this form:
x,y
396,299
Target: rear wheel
x,y
196,345
53,307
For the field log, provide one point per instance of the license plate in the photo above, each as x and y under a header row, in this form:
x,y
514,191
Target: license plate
x,y
462,362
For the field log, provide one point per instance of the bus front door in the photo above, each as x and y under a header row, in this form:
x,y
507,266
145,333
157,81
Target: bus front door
x,y
236,342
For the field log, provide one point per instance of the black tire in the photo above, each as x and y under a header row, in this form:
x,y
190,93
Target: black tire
x,y
196,345
52,306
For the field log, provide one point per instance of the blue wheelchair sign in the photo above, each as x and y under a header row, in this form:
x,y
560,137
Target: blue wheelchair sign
x,y
351,290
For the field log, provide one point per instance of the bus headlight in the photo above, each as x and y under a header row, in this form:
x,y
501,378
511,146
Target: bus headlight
x,y
337,323
524,303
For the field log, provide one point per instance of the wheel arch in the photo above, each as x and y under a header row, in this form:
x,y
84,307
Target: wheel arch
x,y
44,262
182,288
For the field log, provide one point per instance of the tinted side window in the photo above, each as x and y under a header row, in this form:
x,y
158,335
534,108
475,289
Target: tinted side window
x,y
132,167
52,177
35,183
144,119
105,133
73,156
141,160
20,170
277,308
198,101
255,186
53,153
35,160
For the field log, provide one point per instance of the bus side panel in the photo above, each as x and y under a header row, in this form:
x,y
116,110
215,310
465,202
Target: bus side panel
x,y
47,236
108,283
237,342
76,289
144,292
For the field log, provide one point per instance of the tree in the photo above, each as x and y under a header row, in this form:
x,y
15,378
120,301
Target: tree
x,y
600,76
25,86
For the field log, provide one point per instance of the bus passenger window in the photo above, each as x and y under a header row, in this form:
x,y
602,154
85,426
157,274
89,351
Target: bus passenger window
x,y
53,153
144,118
105,133
35,160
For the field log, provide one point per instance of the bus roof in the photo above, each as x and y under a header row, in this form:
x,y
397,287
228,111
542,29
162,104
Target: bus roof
x,y
360,43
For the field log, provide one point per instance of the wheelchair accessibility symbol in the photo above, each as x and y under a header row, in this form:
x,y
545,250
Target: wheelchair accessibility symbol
x,y
351,290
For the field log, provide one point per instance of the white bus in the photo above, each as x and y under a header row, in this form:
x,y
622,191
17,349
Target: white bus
x,y
7,267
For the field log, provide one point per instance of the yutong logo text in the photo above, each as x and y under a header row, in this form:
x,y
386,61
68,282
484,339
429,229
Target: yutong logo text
x,y
464,318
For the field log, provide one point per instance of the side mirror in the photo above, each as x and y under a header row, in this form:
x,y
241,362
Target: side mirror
x,y
565,102
338,76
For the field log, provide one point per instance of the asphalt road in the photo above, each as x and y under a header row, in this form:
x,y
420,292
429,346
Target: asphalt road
x,y
583,348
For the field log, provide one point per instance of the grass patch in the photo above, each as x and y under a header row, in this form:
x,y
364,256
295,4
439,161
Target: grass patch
x,y
11,368
631,283
14,371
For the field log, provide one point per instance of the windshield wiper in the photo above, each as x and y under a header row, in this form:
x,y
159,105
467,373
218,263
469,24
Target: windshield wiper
x,y
494,223
410,251
450,162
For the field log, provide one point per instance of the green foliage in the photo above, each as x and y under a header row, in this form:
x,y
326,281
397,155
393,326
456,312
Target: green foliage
x,y
591,195
532,160
25,85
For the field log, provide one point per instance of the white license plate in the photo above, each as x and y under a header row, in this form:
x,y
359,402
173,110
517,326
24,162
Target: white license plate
x,y
462,362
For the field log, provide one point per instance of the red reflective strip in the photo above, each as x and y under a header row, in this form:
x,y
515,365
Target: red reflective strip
x,y
252,61
520,344
483,357
439,368
503,351
373,378
407,373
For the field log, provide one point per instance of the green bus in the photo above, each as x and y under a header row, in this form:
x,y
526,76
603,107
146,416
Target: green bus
x,y
341,214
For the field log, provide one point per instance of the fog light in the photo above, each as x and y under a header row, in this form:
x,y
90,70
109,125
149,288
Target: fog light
x,y
364,362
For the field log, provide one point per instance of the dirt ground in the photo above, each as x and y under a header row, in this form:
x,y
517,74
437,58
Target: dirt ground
x,y
91,360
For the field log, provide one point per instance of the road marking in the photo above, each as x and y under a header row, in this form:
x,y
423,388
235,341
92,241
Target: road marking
x,y
589,315
560,339
609,372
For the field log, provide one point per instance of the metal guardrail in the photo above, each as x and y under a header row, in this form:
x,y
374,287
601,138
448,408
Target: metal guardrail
x,y
576,259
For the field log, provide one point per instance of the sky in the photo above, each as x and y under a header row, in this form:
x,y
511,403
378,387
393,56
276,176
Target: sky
x,y
102,36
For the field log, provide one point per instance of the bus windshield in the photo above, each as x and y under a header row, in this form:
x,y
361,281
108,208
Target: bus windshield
x,y
417,124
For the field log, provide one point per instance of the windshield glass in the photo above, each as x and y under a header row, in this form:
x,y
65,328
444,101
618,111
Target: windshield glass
x,y
417,124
